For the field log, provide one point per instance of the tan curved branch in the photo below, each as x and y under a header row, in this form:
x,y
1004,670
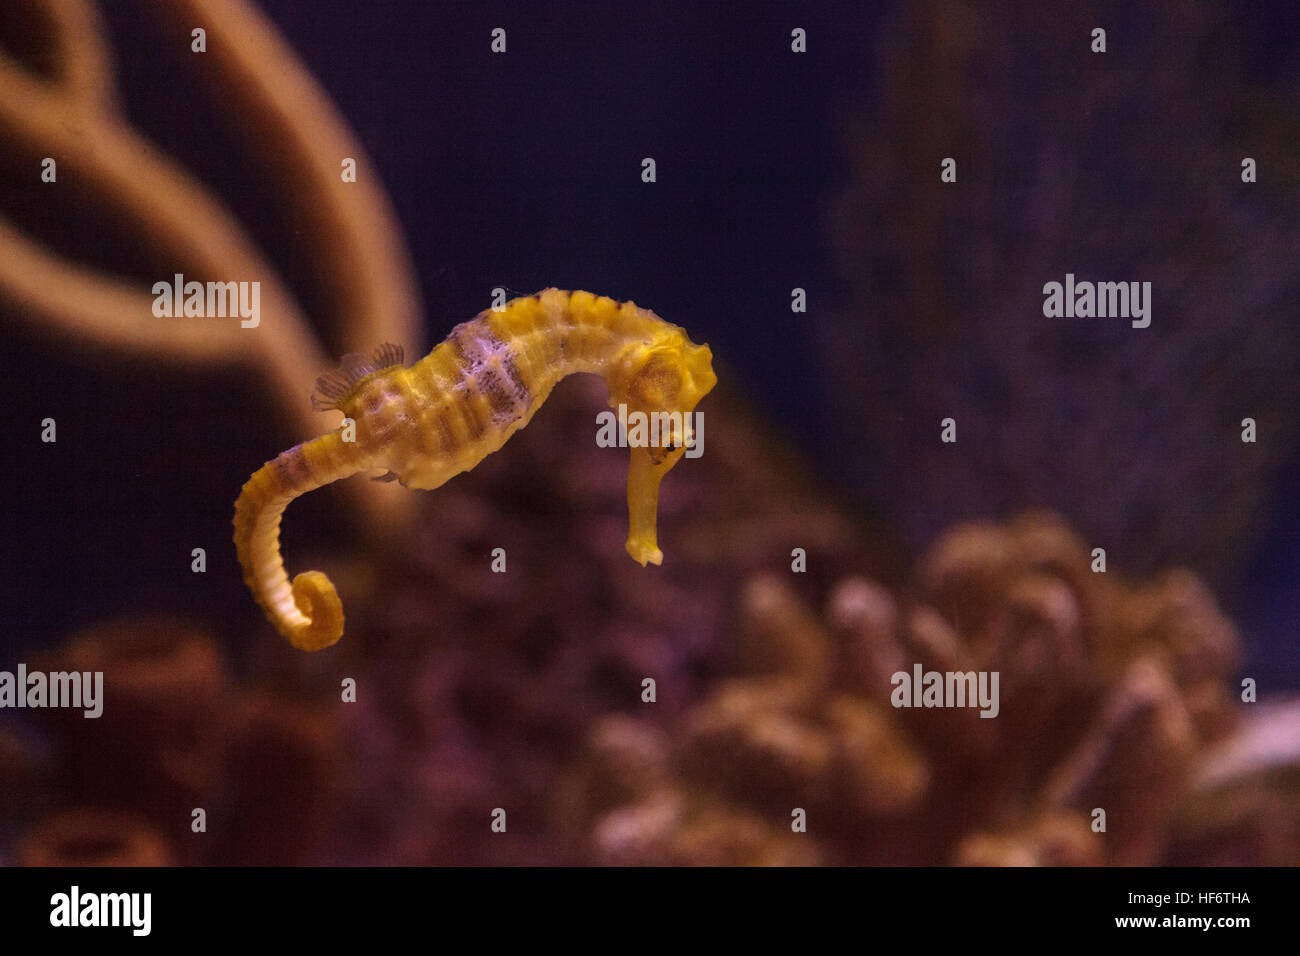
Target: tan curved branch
x,y
74,120
284,110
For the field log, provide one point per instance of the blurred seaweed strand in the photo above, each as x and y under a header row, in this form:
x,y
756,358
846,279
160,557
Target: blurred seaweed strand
x,y
73,114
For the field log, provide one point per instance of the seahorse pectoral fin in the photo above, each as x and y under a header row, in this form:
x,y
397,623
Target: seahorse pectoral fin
x,y
335,388
643,476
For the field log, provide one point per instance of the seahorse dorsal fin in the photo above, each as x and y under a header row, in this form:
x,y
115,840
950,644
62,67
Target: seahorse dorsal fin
x,y
333,389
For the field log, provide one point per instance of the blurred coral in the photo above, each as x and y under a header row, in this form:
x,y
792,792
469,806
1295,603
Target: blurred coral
x,y
154,750
176,735
483,688
17,772
281,783
525,690
1244,805
84,837
1101,707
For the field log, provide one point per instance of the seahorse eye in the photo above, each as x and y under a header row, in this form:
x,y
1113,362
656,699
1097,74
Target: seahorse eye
x,y
658,383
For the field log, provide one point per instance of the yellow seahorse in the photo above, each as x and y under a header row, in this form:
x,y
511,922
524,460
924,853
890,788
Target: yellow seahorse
x,y
461,402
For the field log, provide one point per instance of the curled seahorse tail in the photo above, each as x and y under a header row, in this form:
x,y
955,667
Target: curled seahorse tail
x,y
315,596
307,612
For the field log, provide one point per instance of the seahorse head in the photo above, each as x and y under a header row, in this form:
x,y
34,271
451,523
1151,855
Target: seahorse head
x,y
668,373
663,378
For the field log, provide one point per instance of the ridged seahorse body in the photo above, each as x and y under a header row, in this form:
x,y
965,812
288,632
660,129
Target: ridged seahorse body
x,y
443,415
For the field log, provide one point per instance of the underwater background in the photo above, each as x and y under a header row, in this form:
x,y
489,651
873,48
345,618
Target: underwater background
x,y
776,170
